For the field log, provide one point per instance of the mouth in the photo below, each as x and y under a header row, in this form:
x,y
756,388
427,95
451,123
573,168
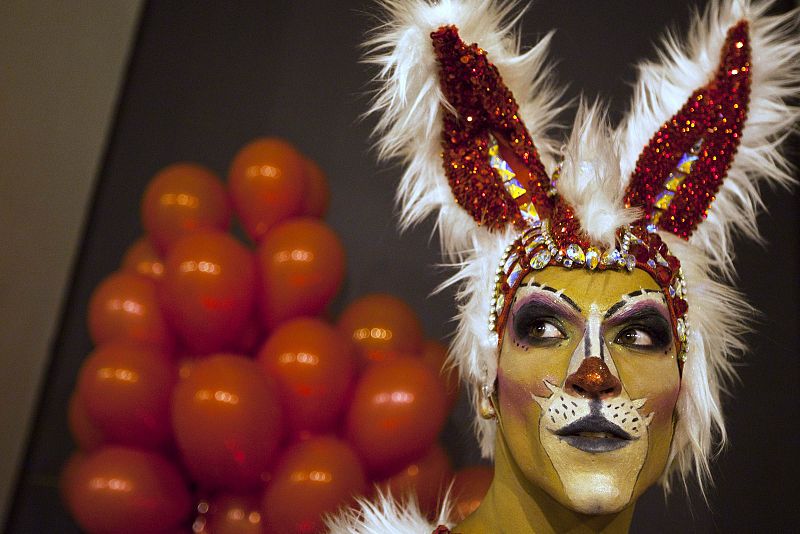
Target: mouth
x,y
594,433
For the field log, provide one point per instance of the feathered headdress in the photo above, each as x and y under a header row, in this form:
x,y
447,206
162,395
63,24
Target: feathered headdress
x,y
470,117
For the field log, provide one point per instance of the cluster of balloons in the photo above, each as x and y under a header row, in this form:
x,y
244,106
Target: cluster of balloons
x,y
219,398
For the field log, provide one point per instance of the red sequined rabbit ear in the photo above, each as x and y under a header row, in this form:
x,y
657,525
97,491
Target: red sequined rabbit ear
x,y
490,161
682,167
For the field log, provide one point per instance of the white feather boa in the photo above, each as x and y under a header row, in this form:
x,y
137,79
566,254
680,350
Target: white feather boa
x,y
385,515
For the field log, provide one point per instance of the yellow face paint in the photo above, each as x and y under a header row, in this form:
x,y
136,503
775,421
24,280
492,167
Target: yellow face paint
x,y
587,385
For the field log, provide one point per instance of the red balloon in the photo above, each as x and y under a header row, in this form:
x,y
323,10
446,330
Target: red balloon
x,y
227,422
181,199
127,391
83,431
208,290
313,478
124,307
231,514
383,326
302,264
435,354
141,258
267,183
469,488
314,366
317,197
397,411
123,490
427,478
251,338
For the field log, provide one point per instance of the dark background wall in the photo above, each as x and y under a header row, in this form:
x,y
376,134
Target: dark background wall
x,y
207,77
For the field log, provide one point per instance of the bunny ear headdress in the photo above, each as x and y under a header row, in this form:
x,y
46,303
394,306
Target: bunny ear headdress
x,y
471,117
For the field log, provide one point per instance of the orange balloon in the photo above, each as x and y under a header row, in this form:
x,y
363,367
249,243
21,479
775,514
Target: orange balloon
x,y
302,264
125,308
227,422
318,194
142,258
427,478
208,290
383,326
83,431
397,411
181,199
126,391
267,183
232,514
435,354
469,488
313,477
315,368
124,490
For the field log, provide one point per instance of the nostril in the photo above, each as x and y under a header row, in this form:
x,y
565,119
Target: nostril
x,y
593,379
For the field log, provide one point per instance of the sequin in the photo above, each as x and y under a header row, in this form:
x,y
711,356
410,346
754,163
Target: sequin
x,y
541,259
674,181
611,257
575,253
592,258
513,277
663,199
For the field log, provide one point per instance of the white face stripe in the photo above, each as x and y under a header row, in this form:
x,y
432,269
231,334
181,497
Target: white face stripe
x,y
592,343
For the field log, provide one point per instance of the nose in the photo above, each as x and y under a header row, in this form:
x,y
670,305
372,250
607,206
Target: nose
x,y
593,380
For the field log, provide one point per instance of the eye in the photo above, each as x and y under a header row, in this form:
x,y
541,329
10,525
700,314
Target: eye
x,y
543,329
646,332
538,331
634,337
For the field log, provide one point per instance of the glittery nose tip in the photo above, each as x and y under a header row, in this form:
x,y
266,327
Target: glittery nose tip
x,y
593,380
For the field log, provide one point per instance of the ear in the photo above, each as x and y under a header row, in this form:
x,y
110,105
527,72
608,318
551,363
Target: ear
x,y
679,172
491,163
430,107
734,77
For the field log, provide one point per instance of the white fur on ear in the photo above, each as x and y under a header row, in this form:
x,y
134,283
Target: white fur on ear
x,y
717,312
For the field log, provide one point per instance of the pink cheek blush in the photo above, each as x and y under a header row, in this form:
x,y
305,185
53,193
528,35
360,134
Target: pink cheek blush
x,y
663,404
514,396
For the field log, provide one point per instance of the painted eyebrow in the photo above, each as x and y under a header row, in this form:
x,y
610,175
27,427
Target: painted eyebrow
x,y
560,294
626,299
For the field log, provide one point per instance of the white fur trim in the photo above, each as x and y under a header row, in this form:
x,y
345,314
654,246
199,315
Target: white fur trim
x,y
384,516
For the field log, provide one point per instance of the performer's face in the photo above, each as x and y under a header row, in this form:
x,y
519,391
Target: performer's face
x,y
587,384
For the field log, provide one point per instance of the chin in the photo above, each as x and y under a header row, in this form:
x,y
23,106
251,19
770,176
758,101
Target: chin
x,y
596,494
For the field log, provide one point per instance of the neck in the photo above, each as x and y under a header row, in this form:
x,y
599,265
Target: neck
x,y
513,504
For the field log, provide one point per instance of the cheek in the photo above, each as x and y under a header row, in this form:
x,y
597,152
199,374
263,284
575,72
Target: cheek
x,y
652,378
663,404
514,395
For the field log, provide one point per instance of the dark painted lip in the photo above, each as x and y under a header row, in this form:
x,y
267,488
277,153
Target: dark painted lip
x,y
571,434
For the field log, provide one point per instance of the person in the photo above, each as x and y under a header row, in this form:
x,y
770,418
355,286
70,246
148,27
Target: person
x,y
596,323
